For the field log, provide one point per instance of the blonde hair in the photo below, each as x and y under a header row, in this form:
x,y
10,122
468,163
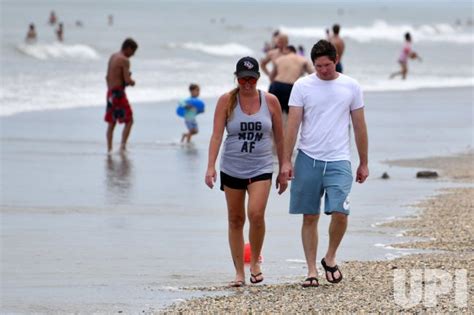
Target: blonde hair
x,y
232,103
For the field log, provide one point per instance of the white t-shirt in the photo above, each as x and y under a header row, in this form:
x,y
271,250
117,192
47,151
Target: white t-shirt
x,y
326,106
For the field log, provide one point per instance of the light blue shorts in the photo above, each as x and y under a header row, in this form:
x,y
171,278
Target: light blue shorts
x,y
191,124
315,178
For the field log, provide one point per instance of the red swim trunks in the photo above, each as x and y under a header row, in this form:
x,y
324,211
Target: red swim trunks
x,y
118,108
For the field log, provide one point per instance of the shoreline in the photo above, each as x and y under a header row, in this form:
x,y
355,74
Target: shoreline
x,y
449,238
211,100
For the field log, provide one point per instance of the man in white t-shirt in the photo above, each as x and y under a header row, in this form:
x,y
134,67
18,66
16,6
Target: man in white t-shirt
x,y
323,104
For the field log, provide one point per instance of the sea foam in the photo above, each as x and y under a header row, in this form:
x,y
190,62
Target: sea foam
x,y
380,30
226,50
58,51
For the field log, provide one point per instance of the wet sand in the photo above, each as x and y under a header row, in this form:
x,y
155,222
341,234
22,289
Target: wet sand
x,y
446,222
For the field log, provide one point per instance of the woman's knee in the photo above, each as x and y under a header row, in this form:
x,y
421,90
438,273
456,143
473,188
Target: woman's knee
x,y
257,218
236,221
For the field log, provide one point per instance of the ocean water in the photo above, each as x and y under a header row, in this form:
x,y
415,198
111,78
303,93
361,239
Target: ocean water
x,y
82,231
200,41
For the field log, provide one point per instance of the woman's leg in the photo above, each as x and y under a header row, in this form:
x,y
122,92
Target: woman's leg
x,y
236,219
258,197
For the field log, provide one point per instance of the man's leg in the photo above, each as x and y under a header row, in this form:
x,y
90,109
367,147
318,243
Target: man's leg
x,y
258,197
110,135
125,134
309,236
337,228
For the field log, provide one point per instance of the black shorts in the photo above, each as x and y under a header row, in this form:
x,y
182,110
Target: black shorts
x,y
282,91
241,183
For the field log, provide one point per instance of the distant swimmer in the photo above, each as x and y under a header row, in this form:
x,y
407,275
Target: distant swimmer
x,y
60,32
118,77
52,18
288,68
275,38
405,54
31,36
111,19
266,47
280,50
301,50
191,108
337,41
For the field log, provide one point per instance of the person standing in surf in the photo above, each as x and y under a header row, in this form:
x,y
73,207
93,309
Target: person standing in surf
x,y
405,54
118,77
190,113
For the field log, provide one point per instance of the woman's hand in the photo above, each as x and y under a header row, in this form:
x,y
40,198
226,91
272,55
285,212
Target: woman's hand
x,y
211,177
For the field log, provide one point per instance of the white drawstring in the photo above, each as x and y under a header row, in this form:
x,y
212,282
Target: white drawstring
x,y
325,165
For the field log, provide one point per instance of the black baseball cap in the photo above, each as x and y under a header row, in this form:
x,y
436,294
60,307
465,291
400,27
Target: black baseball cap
x,y
247,67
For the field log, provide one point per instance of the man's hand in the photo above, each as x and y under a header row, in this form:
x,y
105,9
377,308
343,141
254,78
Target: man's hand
x,y
286,170
362,173
281,183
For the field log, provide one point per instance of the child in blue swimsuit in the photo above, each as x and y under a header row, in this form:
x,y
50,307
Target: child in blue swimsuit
x,y
190,113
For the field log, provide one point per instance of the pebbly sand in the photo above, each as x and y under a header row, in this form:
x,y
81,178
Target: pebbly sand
x,y
446,221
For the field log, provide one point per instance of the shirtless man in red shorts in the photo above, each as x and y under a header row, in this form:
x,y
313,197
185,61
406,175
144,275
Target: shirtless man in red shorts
x,y
118,108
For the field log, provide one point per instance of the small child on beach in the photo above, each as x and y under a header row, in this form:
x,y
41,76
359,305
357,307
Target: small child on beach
x,y
192,107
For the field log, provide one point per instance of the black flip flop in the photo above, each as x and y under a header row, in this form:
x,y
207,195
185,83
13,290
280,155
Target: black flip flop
x,y
237,284
313,282
253,278
332,270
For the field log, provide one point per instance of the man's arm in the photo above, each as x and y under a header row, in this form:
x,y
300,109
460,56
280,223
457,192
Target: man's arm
x,y
274,72
127,76
308,67
264,61
295,116
277,126
362,143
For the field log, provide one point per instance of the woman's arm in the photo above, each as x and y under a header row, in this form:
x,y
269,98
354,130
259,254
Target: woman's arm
x,y
220,117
